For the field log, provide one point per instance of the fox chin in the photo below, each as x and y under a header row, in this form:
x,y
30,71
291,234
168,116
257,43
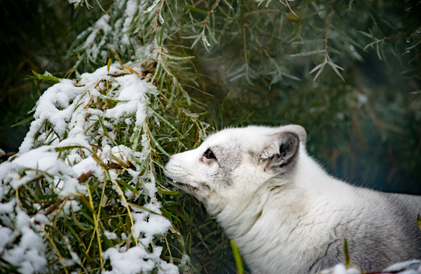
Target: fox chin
x,y
285,213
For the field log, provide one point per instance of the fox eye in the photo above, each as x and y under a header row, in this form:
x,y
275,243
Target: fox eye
x,y
209,154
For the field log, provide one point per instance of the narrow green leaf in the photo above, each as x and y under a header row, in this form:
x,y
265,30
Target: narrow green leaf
x,y
191,36
134,206
164,120
167,214
168,192
195,9
320,68
82,226
126,185
49,78
335,68
307,53
157,144
180,58
346,253
321,65
237,257
309,41
111,99
135,135
161,34
23,121
195,41
166,69
58,149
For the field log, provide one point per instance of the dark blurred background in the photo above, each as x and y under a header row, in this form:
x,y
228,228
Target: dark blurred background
x,y
35,36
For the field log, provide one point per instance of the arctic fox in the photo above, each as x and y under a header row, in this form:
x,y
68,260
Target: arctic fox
x,y
286,214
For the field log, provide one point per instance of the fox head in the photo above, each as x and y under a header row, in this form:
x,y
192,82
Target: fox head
x,y
234,163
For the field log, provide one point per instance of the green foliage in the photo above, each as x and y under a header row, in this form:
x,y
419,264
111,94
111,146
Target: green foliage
x,y
116,185
346,253
237,256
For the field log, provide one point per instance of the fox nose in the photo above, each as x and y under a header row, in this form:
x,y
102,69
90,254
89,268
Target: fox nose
x,y
165,159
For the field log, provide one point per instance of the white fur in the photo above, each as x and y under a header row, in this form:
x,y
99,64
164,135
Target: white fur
x,y
294,218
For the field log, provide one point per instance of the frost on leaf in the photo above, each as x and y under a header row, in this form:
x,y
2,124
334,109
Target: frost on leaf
x,y
89,139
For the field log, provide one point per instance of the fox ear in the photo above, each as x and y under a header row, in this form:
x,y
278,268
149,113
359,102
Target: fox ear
x,y
282,151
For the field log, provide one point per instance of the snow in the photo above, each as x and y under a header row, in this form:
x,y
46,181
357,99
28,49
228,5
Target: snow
x,y
408,267
69,207
31,159
114,31
54,106
110,235
167,268
137,260
131,9
341,269
7,207
63,154
74,132
131,261
100,26
413,266
40,161
41,218
63,107
150,224
28,253
133,99
151,7
86,165
5,235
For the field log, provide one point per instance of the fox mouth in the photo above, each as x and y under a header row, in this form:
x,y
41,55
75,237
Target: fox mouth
x,y
180,184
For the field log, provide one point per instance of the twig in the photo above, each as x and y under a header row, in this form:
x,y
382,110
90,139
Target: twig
x,y
209,13
384,39
6,156
327,29
270,58
82,178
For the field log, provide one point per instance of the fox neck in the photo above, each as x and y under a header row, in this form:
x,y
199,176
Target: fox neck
x,y
239,217
267,222
288,195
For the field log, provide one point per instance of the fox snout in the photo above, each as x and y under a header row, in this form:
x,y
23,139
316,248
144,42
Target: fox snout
x,y
165,159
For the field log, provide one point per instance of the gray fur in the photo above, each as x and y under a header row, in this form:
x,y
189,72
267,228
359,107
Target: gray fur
x,y
285,213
